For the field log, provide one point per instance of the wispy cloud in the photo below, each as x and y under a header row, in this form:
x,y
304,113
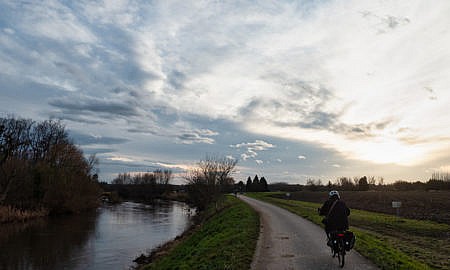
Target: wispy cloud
x,y
197,136
90,139
252,148
122,159
83,104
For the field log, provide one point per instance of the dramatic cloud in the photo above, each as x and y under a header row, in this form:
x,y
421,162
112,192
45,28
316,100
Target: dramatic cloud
x,y
356,82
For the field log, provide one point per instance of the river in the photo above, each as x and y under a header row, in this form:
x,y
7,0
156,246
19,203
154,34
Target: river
x,y
108,238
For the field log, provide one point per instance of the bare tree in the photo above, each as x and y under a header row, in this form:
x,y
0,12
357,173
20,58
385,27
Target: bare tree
x,y
209,180
345,183
372,180
14,139
167,176
380,181
39,165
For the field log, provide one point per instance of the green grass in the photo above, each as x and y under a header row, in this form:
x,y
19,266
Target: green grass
x,y
226,241
388,241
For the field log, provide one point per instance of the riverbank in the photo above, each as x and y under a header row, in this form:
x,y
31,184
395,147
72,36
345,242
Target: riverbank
x,y
224,240
388,241
108,238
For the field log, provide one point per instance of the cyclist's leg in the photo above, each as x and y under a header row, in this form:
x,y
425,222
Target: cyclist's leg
x,y
328,233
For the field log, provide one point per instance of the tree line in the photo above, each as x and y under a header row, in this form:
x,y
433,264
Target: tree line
x,y
40,167
257,185
157,177
141,186
438,181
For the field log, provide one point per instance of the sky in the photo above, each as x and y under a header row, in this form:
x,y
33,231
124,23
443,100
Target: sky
x,y
293,90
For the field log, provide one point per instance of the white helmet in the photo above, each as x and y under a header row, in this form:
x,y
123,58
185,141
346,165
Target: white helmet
x,y
334,192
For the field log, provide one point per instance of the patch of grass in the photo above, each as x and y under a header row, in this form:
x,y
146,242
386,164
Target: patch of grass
x,y
227,240
388,241
392,225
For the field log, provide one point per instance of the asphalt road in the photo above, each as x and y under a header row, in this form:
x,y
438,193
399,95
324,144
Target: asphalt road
x,y
288,241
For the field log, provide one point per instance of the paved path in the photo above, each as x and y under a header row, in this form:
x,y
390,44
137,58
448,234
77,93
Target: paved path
x,y
288,241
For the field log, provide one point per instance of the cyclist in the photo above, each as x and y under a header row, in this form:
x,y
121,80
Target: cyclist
x,y
336,212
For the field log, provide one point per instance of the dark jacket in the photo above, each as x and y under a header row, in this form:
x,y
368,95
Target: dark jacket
x,y
337,220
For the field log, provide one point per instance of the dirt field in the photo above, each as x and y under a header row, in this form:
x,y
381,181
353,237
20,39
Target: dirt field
x,y
429,205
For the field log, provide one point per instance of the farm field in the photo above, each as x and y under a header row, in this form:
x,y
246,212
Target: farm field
x,y
422,205
390,242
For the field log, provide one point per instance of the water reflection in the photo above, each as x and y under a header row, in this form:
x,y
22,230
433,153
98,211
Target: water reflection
x,y
45,243
109,238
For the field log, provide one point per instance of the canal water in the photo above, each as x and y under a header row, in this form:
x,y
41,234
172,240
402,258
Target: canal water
x,y
109,238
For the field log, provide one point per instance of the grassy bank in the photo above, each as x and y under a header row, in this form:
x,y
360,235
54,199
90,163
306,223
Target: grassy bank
x,y
388,241
227,240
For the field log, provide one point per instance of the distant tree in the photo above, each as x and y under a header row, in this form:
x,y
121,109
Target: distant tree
x,y
372,180
241,186
329,185
157,177
311,184
363,185
380,181
248,186
264,185
440,176
123,179
167,177
345,183
256,185
355,181
433,184
256,179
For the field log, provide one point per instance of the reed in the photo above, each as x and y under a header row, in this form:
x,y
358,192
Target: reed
x,y
11,214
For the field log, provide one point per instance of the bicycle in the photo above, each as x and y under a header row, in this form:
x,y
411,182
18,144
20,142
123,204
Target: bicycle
x,y
338,246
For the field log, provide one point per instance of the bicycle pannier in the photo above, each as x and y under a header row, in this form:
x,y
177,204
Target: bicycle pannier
x,y
349,240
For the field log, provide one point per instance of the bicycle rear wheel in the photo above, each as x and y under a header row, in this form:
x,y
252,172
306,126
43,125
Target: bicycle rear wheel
x,y
341,255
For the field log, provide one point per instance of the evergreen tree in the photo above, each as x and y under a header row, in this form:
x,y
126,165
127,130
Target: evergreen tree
x,y
248,186
255,185
264,185
240,186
